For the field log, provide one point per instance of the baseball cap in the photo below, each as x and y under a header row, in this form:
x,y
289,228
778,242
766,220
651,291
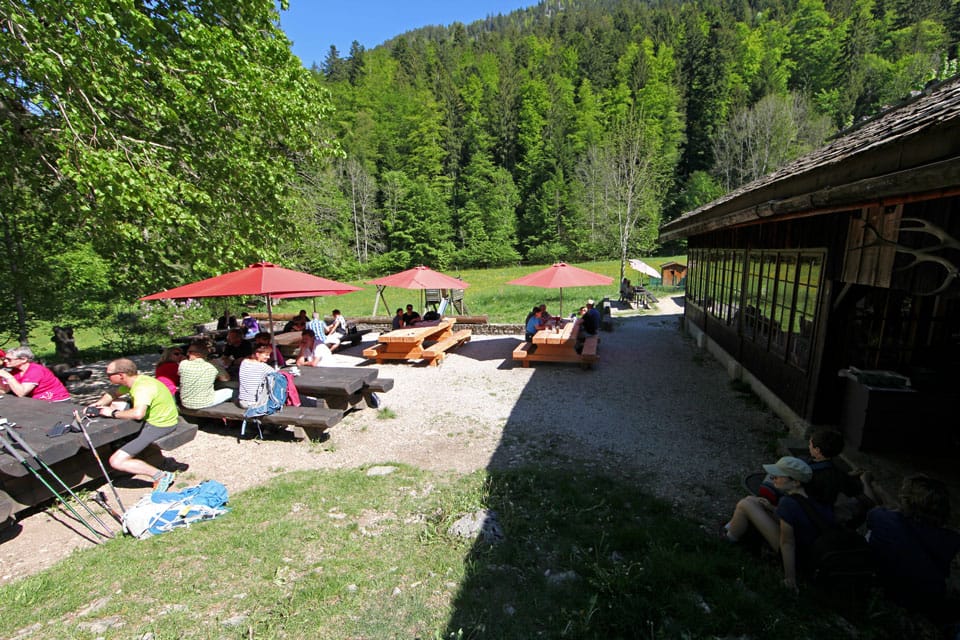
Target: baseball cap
x,y
591,301
790,467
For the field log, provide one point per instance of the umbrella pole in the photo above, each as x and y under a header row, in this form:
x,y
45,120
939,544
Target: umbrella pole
x,y
273,342
561,302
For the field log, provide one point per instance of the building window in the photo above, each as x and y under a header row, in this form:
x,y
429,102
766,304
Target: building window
x,y
769,297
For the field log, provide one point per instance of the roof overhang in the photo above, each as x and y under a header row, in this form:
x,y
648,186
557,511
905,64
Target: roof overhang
x,y
911,152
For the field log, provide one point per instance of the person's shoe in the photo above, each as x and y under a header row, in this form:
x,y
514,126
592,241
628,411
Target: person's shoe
x,y
163,482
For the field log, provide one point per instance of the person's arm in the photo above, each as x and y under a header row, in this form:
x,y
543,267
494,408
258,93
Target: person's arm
x,y
788,552
136,413
105,400
222,374
19,388
875,492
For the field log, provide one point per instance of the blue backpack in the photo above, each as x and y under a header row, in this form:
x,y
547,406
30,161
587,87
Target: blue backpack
x,y
276,390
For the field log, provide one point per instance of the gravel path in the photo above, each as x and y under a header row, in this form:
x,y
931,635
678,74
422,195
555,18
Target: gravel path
x,y
656,409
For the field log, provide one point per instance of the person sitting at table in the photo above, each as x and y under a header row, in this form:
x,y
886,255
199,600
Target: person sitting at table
x,y
28,379
532,313
224,322
276,356
398,319
167,370
311,352
317,325
544,316
197,378
249,324
533,325
411,317
578,313
153,406
591,320
234,351
253,371
336,331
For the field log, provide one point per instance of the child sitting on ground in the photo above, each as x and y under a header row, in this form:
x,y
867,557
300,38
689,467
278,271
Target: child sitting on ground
x,y
828,480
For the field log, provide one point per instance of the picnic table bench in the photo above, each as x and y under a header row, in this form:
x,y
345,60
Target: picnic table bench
x,y
69,454
308,422
558,345
409,343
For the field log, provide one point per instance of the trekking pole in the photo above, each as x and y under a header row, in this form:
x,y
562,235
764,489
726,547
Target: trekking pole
x,y
33,454
12,450
86,435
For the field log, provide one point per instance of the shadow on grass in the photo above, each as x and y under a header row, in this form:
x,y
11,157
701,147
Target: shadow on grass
x,y
585,552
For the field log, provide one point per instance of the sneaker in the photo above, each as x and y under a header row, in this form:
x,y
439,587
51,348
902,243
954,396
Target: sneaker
x,y
163,483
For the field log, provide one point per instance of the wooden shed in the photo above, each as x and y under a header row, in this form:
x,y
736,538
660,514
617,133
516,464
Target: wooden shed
x,y
672,273
832,285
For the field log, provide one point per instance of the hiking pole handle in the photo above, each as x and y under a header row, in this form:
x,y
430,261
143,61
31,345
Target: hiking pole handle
x,y
12,450
16,437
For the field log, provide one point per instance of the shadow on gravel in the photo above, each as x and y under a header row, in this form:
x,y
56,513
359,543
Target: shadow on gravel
x,y
564,487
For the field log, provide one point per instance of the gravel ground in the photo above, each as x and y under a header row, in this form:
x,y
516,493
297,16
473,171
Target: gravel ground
x,y
656,409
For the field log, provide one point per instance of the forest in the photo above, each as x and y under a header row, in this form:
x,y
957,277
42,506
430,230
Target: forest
x,y
149,144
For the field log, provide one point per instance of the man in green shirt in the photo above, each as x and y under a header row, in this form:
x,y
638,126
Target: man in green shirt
x,y
153,404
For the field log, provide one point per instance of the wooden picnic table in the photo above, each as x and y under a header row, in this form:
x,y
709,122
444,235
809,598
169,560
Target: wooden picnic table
x,y
558,344
68,455
410,343
342,387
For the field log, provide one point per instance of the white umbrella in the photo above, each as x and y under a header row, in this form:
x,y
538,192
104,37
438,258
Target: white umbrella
x,y
643,267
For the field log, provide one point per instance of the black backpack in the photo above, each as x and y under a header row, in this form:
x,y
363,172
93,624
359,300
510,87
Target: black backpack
x,y
838,555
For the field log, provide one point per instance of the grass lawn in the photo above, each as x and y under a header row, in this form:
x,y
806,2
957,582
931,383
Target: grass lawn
x,y
339,554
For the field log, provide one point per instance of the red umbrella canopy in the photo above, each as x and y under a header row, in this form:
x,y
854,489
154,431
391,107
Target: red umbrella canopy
x,y
561,275
420,278
260,279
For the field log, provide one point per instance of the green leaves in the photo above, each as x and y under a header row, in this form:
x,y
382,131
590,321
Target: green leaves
x,y
167,134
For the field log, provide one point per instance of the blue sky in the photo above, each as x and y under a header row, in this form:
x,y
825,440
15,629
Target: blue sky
x,y
313,25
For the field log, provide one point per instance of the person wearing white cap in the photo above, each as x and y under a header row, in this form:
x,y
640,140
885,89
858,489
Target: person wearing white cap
x,y
786,528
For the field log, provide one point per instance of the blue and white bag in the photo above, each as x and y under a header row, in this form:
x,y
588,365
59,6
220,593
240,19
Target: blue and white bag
x,y
159,512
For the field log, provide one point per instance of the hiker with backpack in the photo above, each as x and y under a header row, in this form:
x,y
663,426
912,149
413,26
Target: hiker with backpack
x,y
787,528
253,371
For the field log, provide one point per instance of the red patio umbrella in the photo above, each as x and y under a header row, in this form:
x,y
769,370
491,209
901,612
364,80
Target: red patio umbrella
x,y
416,278
259,279
560,275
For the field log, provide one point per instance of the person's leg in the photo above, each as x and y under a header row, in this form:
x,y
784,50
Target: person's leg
x,y
123,459
751,511
222,395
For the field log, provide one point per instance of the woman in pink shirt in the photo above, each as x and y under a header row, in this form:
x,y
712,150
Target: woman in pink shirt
x,y
29,379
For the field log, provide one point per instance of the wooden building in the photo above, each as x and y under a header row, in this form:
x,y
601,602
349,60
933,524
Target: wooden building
x,y
832,281
672,273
